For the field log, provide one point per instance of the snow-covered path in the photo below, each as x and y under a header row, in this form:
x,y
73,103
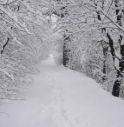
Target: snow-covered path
x,y
63,98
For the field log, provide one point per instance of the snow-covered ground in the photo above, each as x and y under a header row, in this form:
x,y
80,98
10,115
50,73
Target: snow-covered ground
x,y
63,98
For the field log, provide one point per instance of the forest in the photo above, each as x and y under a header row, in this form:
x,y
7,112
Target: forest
x,y
91,40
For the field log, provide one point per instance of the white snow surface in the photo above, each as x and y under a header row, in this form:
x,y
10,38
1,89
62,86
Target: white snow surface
x,y
63,98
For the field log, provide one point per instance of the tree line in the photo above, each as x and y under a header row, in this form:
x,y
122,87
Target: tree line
x,y
92,39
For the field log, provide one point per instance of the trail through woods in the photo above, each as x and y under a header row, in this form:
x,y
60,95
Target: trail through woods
x,y
61,97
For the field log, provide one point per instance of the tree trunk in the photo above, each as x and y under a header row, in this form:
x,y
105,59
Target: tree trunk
x,y
117,84
67,38
105,51
104,46
66,50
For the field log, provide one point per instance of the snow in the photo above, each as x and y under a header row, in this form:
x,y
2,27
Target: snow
x,y
63,98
